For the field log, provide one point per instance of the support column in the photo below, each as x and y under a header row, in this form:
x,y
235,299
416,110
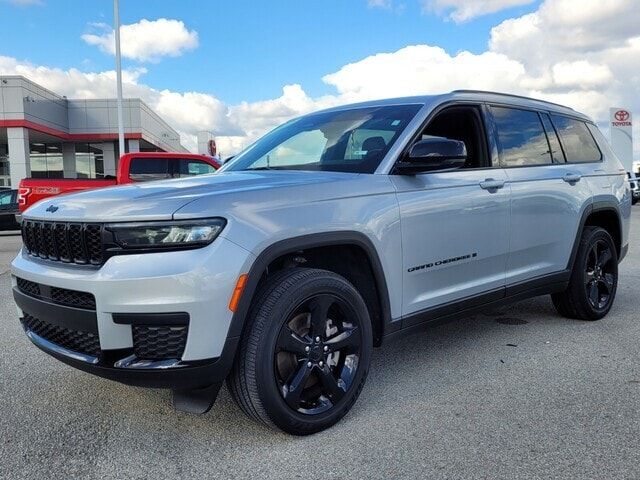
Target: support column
x,y
109,158
69,160
134,145
19,164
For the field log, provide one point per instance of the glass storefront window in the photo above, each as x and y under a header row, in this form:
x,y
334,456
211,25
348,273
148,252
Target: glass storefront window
x,y
89,160
5,178
46,160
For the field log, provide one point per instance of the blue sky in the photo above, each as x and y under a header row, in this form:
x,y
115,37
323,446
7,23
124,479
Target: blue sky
x,y
239,67
247,49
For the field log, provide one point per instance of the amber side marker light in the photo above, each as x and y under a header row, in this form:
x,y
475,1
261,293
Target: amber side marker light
x,y
237,292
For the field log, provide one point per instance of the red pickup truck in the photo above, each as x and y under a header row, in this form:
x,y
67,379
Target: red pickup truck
x,y
133,167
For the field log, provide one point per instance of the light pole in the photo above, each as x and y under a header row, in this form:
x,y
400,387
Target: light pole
x,y
116,27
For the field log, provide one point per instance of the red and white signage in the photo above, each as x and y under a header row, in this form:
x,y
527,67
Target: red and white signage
x,y
621,125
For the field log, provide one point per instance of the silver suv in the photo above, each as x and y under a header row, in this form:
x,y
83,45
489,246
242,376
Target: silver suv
x,y
333,233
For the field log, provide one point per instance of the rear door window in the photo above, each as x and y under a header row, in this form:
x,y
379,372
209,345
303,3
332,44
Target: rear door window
x,y
521,138
148,169
577,141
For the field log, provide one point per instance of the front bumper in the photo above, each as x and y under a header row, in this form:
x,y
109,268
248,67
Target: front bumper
x,y
176,376
145,295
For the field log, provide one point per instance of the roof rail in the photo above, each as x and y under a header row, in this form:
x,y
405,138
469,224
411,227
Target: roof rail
x,y
511,95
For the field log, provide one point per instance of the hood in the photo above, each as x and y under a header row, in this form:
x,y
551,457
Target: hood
x,y
160,200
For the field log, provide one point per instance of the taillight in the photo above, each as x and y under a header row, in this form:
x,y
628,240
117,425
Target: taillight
x,y
23,193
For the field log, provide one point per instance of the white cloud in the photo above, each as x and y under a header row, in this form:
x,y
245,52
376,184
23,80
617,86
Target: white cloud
x,y
386,4
146,40
545,54
423,69
581,73
463,10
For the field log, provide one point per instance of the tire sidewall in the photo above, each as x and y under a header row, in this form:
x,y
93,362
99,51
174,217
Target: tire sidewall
x,y
271,398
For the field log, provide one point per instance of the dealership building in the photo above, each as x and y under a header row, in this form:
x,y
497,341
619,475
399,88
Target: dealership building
x,y
46,135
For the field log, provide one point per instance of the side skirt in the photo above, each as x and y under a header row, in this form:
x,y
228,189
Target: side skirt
x,y
544,285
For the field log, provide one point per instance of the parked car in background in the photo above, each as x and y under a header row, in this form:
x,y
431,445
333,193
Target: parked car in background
x,y
9,211
635,188
331,234
133,167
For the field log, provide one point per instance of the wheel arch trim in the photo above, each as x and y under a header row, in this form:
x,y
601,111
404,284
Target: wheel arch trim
x,y
595,207
315,240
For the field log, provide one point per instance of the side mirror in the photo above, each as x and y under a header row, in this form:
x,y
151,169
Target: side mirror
x,y
433,154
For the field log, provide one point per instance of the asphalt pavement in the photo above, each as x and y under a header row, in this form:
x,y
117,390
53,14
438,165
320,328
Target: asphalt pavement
x,y
514,393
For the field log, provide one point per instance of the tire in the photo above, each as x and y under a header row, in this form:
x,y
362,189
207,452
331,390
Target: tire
x,y
594,278
285,378
634,200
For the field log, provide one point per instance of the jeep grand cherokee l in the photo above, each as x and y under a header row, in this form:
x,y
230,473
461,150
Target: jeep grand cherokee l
x,y
332,233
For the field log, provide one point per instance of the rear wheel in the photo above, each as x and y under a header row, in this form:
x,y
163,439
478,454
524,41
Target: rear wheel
x,y
305,355
594,279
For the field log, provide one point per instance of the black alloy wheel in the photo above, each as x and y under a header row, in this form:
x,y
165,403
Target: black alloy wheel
x,y
317,354
600,276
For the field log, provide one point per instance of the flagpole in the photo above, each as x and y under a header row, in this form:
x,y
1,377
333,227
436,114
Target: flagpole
x,y
116,21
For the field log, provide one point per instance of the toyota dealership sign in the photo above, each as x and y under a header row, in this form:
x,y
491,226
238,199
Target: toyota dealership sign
x,y
621,125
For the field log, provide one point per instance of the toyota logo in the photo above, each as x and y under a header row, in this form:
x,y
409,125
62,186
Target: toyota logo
x,y
622,115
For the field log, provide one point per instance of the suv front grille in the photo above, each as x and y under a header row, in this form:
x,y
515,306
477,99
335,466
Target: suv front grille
x,y
82,342
73,298
159,342
61,296
79,243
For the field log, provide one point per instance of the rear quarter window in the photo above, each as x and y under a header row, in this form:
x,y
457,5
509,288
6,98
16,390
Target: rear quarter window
x,y
192,168
577,141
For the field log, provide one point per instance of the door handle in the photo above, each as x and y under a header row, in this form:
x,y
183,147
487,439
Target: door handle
x,y
572,177
491,184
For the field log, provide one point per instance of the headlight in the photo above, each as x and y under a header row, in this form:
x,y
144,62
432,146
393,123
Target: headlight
x,y
166,235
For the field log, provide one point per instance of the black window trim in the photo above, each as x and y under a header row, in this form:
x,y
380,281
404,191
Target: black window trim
x,y
566,159
564,155
491,134
486,123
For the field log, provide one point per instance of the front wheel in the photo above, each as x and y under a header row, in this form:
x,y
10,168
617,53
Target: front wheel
x,y
594,278
305,355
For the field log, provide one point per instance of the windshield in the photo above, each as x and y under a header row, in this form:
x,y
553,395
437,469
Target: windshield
x,y
354,140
